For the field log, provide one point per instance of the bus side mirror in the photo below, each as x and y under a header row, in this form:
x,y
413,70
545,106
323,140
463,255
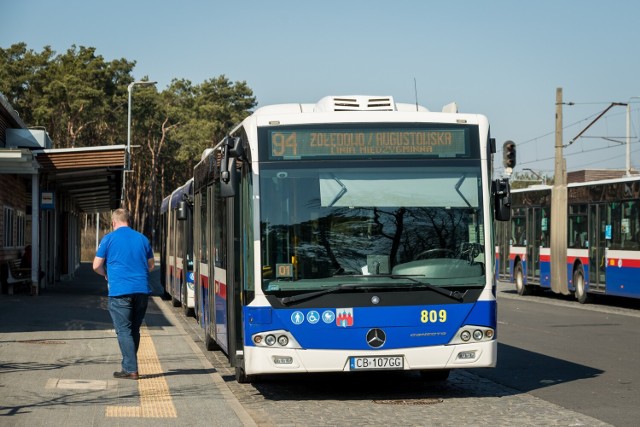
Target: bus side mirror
x,y
229,186
502,199
183,210
232,149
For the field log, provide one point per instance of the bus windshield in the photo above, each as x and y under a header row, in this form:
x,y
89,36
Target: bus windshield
x,y
384,226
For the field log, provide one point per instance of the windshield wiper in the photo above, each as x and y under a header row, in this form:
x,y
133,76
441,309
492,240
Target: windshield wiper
x,y
456,295
415,284
309,295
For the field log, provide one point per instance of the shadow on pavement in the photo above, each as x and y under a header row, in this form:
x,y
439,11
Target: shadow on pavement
x,y
527,371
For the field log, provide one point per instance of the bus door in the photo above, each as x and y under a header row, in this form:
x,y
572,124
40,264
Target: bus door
x,y
534,221
235,229
234,287
597,246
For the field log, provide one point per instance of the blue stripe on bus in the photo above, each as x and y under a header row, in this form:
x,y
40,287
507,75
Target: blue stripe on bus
x,y
405,327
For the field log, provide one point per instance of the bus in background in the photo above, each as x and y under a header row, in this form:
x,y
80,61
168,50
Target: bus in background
x,y
163,244
349,235
176,259
603,226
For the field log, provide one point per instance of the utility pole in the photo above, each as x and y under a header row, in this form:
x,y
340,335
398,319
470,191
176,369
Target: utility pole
x,y
559,210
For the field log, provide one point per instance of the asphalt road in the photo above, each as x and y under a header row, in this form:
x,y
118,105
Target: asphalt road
x,y
582,357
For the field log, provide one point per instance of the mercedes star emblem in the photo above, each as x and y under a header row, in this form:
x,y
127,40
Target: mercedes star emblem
x,y
376,338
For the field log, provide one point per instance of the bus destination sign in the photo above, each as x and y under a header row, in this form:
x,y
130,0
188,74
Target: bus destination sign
x,y
310,143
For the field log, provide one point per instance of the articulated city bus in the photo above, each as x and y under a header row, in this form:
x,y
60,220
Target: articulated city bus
x,y
176,258
603,239
349,235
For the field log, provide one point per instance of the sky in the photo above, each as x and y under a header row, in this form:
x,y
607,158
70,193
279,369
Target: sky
x,y
504,59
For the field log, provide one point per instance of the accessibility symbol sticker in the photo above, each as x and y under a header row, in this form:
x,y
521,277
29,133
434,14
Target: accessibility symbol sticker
x,y
328,316
313,317
297,317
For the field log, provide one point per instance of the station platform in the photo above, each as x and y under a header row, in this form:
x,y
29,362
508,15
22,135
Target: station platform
x,y
58,352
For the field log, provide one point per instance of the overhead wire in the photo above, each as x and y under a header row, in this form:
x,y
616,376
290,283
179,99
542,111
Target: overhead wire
x,y
537,159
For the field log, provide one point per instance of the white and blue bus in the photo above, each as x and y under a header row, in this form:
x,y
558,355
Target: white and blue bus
x,y
349,235
603,239
176,258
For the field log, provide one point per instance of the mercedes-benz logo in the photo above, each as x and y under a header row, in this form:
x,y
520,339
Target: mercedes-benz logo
x,y
376,338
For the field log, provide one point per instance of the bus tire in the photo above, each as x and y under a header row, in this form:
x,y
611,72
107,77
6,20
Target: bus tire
x,y
435,375
174,301
580,286
242,377
518,276
209,343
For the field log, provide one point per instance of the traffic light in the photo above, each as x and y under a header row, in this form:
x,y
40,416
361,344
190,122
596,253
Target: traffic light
x,y
509,154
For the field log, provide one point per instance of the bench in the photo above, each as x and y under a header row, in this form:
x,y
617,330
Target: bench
x,y
17,275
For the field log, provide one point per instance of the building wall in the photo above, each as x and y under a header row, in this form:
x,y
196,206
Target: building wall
x,y
14,195
594,175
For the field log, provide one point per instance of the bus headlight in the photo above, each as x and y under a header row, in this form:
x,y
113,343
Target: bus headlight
x,y
270,340
283,340
276,339
478,333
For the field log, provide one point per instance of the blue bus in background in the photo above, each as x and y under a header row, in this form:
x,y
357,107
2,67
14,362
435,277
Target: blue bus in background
x,y
603,239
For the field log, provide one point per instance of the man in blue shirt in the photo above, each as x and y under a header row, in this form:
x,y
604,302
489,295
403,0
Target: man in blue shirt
x,y
125,259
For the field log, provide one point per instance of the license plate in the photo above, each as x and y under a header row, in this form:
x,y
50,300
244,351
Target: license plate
x,y
368,363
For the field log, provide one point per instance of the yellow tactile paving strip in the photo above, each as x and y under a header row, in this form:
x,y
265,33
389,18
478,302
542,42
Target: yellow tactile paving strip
x,y
155,397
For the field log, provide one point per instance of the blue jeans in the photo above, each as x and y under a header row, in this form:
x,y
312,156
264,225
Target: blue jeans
x,y
127,312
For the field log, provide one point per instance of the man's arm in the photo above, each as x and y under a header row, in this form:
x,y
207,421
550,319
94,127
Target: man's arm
x,y
98,266
151,263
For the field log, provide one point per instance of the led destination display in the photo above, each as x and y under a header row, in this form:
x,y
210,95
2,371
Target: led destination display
x,y
309,143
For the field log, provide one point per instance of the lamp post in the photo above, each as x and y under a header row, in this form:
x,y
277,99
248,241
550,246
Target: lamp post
x,y
628,164
541,178
128,152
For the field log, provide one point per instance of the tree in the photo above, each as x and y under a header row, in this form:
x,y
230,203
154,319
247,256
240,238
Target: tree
x,y
174,128
82,100
76,96
23,74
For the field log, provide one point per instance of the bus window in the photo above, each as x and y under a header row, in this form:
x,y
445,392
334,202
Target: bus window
x,y
630,225
577,226
203,226
518,228
615,222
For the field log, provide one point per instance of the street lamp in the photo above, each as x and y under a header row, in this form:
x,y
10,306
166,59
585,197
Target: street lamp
x,y
541,178
628,164
128,153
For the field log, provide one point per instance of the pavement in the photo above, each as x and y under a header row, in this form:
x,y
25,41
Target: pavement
x,y
58,352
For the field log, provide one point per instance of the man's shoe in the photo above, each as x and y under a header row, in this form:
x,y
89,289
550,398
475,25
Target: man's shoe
x,y
126,375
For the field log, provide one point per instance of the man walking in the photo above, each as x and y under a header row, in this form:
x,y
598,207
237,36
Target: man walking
x,y
125,259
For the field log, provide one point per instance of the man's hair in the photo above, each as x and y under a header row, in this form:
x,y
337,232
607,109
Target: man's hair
x,y
121,215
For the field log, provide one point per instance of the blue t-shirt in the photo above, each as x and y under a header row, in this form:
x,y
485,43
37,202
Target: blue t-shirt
x,y
126,253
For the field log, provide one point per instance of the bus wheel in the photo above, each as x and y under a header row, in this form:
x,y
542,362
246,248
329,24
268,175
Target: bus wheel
x,y
581,290
518,275
210,343
174,301
241,377
435,375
